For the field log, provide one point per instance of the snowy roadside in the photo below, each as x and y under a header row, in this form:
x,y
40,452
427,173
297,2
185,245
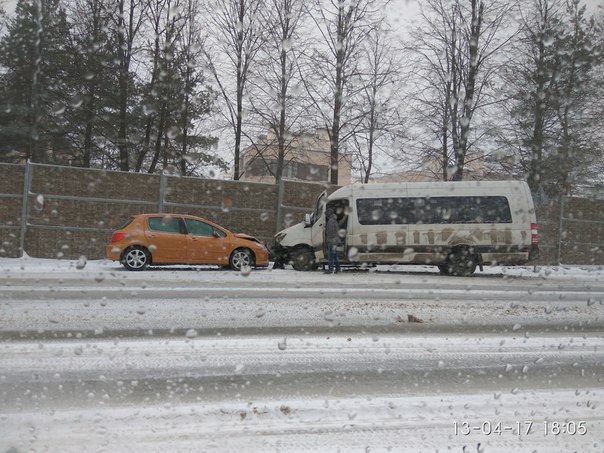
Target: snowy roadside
x,y
227,361
28,267
100,298
497,422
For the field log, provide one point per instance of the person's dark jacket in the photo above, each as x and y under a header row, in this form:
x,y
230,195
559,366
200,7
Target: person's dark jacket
x,y
332,228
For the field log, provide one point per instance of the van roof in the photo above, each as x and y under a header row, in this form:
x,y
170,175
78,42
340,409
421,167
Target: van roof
x,y
429,188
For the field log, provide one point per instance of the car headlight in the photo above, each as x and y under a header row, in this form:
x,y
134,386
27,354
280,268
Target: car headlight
x,y
279,237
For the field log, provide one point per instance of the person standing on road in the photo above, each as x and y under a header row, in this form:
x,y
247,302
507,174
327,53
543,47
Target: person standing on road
x,y
332,237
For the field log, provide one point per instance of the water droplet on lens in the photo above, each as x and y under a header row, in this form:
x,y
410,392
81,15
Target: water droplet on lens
x,y
282,345
39,202
191,333
245,270
81,264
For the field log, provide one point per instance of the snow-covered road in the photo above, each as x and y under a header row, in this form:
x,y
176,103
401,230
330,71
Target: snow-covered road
x,y
94,358
304,393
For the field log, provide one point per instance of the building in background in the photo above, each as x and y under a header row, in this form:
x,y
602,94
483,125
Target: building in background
x,y
307,158
478,168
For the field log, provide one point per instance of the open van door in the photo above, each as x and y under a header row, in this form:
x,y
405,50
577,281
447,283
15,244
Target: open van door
x,y
316,222
311,219
341,207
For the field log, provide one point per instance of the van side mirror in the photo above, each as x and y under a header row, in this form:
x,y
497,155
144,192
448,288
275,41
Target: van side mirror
x,y
307,220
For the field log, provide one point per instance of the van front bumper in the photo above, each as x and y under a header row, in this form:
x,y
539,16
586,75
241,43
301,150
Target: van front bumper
x,y
277,253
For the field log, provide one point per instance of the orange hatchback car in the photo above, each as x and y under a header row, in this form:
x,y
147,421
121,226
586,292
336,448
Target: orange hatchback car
x,y
158,239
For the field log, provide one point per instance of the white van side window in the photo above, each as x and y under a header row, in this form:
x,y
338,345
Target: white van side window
x,y
433,210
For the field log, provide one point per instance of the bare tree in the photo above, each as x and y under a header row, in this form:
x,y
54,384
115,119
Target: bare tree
x,y
154,14
2,18
457,45
197,99
333,76
235,33
129,17
167,15
174,100
378,102
430,58
276,99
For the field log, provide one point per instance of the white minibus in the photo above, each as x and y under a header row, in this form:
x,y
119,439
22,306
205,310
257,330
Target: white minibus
x,y
456,226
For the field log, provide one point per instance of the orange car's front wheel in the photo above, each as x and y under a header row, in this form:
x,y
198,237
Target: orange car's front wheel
x,y
240,259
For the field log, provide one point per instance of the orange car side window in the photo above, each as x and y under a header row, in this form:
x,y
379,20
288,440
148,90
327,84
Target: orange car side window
x,y
199,228
164,224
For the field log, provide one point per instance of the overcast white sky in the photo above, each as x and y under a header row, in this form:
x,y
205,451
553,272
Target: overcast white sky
x,y
9,5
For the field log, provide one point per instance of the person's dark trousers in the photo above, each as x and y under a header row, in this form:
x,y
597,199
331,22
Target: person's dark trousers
x,y
332,258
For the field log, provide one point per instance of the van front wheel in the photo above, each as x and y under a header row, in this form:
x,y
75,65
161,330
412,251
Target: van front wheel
x,y
303,259
444,269
461,262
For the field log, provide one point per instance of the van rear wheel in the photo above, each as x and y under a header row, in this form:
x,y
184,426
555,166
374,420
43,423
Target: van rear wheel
x,y
303,259
461,262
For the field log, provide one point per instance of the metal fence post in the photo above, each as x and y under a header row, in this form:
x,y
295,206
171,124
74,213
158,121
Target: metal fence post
x,y
560,226
24,205
162,192
279,213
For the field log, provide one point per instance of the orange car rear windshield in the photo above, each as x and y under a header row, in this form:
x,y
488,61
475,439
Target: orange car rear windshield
x,y
126,223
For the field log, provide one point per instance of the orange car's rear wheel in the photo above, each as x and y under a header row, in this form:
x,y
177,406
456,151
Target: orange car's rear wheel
x,y
136,258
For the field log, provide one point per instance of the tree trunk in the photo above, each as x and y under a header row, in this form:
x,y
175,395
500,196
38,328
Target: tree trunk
x,y
466,119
